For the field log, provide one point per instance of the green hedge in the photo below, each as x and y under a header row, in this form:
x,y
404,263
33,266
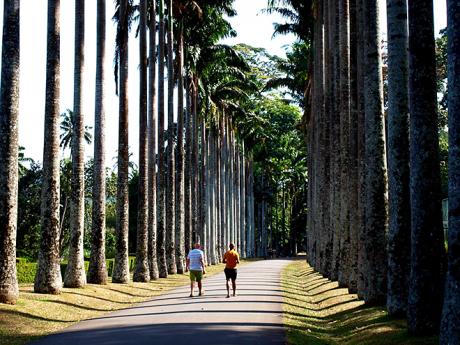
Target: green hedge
x,y
26,270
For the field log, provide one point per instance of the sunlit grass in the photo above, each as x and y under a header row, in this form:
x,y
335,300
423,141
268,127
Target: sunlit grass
x,y
36,315
317,311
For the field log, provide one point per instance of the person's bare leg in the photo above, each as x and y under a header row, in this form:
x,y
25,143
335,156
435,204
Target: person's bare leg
x,y
191,288
228,289
234,287
199,288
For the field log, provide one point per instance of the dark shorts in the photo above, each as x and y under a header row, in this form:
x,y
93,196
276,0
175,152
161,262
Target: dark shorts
x,y
230,273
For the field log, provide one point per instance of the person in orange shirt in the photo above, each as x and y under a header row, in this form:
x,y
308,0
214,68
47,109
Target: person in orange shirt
x,y
231,260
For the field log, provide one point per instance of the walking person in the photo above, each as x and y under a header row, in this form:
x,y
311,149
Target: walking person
x,y
195,263
231,260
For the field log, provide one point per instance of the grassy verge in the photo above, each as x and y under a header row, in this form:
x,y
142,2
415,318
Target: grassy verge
x,y
36,315
317,311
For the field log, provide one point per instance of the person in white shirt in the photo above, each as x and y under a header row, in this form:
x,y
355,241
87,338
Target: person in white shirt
x,y
195,263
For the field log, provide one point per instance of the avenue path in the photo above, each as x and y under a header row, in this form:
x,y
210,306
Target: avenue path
x,y
254,316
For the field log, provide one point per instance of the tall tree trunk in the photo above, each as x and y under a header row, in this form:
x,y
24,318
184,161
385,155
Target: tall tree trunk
x,y
75,276
171,183
161,212
97,271
353,132
335,149
375,162
450,326
398,159
152,113
9,111
195,167
203,188
121,267
180,245
142,272
188,223
48,277
362,259
344,90
427,237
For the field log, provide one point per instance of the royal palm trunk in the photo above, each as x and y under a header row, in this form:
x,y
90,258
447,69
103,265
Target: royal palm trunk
x,y
142,272
152,113
75,276
9,111
161,212
450,326
121,266
97,271
48,277
171,179
398,159
427,238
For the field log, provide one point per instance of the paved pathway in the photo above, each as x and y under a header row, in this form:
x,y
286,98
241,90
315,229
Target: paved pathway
x,y
254,316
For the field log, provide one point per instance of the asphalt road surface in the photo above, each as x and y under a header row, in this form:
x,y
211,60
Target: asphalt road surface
x,y
254,316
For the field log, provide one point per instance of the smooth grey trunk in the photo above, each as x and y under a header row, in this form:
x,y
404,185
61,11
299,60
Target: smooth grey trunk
x,y
362,259
354,171
188,222
180,205
48,277
344,91
203,187
152,114
374,246
426,281
242,249
195,166
171,179
97,270
222,192
9,112
450,325
121,266
398,159
75,276
161,212
142,271
334,143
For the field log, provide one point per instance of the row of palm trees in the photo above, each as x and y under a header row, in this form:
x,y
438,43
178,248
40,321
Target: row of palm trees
x,y
195,177
374,192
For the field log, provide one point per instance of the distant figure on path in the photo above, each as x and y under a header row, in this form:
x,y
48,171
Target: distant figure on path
x,y
195,263
231,259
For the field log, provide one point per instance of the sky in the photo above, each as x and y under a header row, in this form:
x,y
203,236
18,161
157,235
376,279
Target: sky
x,y
253,28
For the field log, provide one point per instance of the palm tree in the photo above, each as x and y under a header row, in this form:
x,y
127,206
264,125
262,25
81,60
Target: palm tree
x,y
161,212
142,273
171,182
450,326
67,130
48,277
121,268
75,275
9,111
398,159
152,201
97,271
180,248
427,246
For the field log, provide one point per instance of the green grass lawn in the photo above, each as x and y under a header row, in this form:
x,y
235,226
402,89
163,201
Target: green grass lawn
x,y
36,315
317,311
